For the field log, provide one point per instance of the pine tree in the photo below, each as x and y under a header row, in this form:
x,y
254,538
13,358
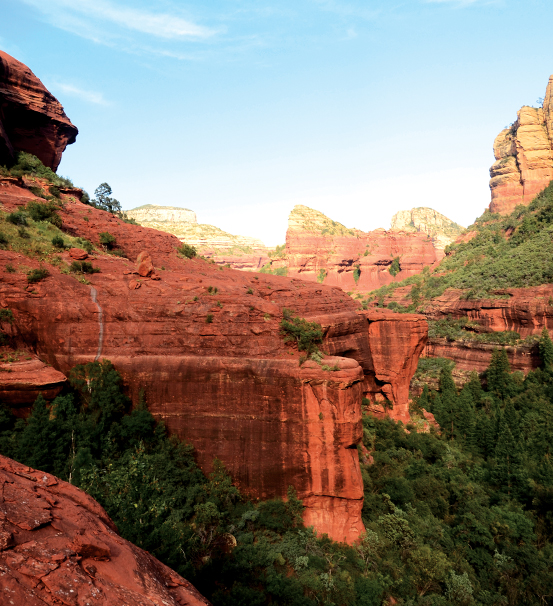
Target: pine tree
x,y
508,472
512,420
475,388
465,421
500,383
546,349
448,394
36,444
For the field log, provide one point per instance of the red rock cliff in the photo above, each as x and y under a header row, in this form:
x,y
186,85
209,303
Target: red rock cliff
x,y
204,344
58,546
524,157
31,118
319,249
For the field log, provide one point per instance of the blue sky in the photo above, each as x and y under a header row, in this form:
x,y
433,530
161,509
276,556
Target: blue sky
x,y
241,109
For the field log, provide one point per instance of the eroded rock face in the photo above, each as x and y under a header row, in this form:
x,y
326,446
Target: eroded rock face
x,y
438,227
524,157
31,119
321,250
23,377
58,546
204,344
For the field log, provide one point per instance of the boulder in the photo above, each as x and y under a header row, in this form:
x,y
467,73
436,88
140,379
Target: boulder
x,y
78,254
58,546
31,119
145,265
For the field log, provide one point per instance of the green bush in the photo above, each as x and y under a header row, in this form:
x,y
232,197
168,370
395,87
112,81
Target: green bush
x,y
322,275
3,240
58,242
356,273
83,267
36,275
28,164
6,315
108,240
17,218
86,245
41,211
23,233
395,267
187,251
307,335
209,318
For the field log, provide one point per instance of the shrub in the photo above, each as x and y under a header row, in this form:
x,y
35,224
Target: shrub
x,y
55,191
357,273
28,164
187,251
322,275
17,218
37,191
395,267
6,315
58,242
108,240
212,290
10,268
209,318
3,240
36,275
41,211
83,267
86,245
23,233
306,334
249,291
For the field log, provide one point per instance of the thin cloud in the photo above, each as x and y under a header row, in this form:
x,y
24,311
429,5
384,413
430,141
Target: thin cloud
x,y
86,95
69,13
462,2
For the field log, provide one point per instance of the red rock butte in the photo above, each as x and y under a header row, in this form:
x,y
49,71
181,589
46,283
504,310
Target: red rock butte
x,y
58,546
204,344
524,157
31,118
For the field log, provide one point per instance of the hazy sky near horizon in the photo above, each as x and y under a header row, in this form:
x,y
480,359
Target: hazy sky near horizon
x,y
240,109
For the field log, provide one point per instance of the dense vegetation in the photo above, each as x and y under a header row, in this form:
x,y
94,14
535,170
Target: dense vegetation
x,y
463,517
506,252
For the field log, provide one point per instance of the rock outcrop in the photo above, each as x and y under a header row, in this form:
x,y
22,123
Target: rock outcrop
x,y
204,344
442,231
321,250
23,377
31,119
153,213
524,157
58,546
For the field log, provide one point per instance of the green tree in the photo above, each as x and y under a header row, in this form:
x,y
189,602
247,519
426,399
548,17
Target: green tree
x,y
546,349
103,199
500,382
507,473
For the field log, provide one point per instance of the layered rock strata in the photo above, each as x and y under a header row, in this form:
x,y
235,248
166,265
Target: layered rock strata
x,y
321,250
31,118
204,344
523,157
58,546
441,230
154,213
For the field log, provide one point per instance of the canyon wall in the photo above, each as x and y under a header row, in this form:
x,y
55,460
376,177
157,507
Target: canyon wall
x,y
58,546
204,343
319,249
441,230
31,118
523,157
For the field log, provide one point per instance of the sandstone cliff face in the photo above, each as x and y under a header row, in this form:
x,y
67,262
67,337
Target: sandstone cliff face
x,y
319,249
31,119
150,213
58,546
442,231
203,343
524,157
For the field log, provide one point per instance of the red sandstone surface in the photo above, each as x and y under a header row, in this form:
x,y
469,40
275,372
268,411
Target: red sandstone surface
x,y
316,252
524,157
23,377
58,546
31,119
231,386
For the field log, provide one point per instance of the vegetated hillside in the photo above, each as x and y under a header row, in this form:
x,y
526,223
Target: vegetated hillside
x,y
503,252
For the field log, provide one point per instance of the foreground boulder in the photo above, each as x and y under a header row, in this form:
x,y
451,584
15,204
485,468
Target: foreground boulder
x,y
58,546
31,118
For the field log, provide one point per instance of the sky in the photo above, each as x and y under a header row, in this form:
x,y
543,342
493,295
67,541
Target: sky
x,y
241,109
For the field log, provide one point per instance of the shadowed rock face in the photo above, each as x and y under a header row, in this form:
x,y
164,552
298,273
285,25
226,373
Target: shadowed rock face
x,y
230,386
58,546
31,119
524,157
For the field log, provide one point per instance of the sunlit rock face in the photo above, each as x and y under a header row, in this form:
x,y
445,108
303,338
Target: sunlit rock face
x,y
31,118
523,157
